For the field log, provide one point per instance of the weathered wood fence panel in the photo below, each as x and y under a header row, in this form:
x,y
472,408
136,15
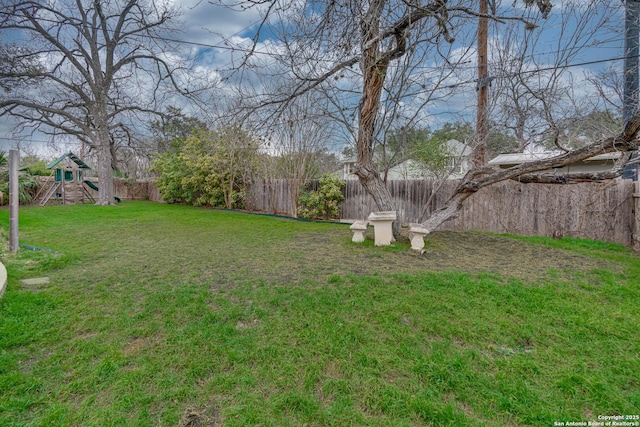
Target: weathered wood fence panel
x,y
271,196
127,189
602,211
410,197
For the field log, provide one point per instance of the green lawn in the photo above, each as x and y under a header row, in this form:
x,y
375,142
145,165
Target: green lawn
x,y
160,315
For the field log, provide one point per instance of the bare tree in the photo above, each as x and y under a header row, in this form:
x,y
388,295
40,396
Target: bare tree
x,y
609,85
95,70
413,83
299,140
533,87
331,37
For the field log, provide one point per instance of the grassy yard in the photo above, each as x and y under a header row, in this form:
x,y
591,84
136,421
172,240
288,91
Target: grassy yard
x,y
159,315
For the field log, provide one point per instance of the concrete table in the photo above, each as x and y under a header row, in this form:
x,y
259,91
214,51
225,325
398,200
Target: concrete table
x,y
382,226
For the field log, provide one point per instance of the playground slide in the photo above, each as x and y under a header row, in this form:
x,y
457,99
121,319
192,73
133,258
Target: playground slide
x,y
91,184
95,187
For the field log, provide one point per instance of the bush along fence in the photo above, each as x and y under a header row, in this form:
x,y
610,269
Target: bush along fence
x,y
608,211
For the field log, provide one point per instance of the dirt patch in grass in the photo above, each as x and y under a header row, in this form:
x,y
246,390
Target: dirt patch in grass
x,y
479,252
135,346
204,417
444,251
330,255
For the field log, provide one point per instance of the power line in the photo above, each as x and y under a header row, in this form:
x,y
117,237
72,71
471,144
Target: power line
x,y
18,139
577,64
237,48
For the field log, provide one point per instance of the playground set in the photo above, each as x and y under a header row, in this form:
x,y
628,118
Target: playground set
x,y
68,186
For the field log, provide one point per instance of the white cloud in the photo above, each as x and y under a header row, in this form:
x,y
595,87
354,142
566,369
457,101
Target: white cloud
x,y
215,25
218,29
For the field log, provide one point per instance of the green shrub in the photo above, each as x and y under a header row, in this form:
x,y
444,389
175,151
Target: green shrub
x,y
323,203
208,168
27,184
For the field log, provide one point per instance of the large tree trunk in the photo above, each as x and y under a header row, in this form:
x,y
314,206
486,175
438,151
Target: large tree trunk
x,y
105,174
374,66
449,211
103,145
105,159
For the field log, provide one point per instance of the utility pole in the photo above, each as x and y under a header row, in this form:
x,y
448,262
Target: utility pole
x,y
631,78
14,159
482,128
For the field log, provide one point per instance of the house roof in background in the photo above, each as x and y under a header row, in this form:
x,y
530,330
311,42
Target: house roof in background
x,y
455,148
518,158
458,148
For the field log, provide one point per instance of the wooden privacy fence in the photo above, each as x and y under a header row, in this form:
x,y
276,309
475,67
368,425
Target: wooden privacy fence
x,y
271,195
608,211
602,211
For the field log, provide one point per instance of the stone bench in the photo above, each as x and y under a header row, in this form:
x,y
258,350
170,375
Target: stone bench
x,y
358,228
382,226
416,235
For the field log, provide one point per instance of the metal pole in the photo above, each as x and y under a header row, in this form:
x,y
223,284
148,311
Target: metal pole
x,y
479,151
14,157
631,78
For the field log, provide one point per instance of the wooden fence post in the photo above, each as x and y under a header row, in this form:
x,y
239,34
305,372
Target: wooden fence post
x,y
14,200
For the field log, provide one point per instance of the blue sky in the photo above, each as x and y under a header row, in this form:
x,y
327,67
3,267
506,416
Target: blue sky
x,y
210,33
